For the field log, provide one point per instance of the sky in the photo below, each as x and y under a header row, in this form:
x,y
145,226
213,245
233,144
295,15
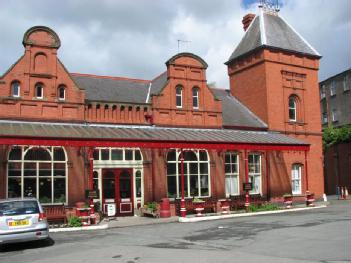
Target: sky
x,y
134,38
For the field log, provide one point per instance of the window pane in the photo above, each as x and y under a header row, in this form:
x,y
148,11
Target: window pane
x,y
14,187
171,156
45,194
138,187
37,154
59,154
203,156
59,169
108,186
138,174
96,154
194,185
59,190
30,169
105,154
44,169
227,168
203,168
129,155
172,186
185,168
227,158
179,101
117,154
15,154
228,185
190,156
204,185
30,187
171,169
234,185
137,155
14,169
193,168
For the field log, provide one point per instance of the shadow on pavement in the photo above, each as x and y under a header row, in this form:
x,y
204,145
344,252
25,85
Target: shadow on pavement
x,y
27,245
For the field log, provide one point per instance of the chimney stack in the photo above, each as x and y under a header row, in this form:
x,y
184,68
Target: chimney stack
x,y
247,20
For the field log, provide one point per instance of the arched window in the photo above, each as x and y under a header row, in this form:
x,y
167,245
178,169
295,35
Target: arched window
x,y
293,102
196,98
39,172
296,178
196,174
179,96
61,92
231,173
15,89
39,91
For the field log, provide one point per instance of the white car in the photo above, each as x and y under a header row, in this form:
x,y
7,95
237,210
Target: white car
x,y
22,220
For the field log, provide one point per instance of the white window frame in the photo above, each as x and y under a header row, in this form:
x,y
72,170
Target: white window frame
x,y
333,88
59,92
334,116
18,89
50,150
196,97
296,175
187,175
179,95
322,91
324,118
255,174
293,108
232,174
37,86
137,165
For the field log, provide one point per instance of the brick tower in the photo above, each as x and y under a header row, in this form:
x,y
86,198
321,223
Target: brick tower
x,y
274,72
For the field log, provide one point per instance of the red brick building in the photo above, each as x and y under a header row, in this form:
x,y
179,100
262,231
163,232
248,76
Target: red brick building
x,y
62,133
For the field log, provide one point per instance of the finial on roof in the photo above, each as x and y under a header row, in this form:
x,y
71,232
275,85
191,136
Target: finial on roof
x,y
269,6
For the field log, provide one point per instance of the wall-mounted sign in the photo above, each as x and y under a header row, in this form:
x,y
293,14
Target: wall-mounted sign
x,y
92,194
247,186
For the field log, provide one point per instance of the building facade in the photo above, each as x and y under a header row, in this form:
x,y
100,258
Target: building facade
x,y
335,100
136,141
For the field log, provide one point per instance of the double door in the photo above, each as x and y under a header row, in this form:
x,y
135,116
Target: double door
x,y
117,187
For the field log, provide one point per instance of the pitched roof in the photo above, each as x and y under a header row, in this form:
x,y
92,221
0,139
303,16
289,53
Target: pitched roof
x,y
235,114
272,31
112,89
141,133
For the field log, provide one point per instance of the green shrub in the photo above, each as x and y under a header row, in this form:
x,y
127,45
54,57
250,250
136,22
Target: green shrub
x,y
263,207
74,221
152,206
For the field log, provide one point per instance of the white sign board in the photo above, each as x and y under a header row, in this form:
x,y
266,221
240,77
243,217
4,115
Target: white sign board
x,y
111,209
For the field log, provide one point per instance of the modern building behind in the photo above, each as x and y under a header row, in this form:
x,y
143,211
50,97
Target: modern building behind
x,y
335,93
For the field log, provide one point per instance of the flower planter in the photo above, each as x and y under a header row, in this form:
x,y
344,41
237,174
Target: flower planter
x,y
309,199
224,206
288,199
199,207
83,211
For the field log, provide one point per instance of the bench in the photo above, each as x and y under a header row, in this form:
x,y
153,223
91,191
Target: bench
x,y
55,213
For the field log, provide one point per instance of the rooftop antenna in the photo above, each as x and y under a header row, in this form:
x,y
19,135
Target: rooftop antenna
x,y
270,6
181,41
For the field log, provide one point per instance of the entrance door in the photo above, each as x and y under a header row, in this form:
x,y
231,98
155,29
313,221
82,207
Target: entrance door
x,y
118,187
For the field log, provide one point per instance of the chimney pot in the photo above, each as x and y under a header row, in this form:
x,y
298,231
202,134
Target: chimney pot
x,y
247,19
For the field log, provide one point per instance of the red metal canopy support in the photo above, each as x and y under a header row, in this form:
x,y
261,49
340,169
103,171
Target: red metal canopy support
x,y
247,197
306,171
91,179
182,201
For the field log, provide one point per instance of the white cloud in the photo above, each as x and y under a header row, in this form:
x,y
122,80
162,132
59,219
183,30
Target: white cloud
x,y
135,38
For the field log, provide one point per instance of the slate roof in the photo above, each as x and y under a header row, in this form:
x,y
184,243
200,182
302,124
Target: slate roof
x,y
143,133
158,83
271,30
112,89
235,114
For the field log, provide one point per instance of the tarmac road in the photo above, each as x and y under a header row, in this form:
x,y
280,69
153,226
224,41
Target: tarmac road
x,y
320,235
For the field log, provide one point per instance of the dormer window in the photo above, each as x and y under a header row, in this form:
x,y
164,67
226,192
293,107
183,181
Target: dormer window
x,y
61,92
195,98
39,91
179,96
15,89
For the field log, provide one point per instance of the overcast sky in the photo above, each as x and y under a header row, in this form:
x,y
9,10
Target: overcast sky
x,y
133,38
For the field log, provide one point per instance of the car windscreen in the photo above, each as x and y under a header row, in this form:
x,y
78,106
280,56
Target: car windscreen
x,y
18,208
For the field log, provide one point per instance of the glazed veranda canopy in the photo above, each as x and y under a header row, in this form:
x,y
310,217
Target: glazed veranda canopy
x,y
99,135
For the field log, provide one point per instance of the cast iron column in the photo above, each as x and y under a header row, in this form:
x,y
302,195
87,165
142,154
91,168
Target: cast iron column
x,y
182,201
247,199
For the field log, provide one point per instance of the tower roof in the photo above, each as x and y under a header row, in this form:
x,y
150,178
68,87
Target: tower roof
x,y
270,30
